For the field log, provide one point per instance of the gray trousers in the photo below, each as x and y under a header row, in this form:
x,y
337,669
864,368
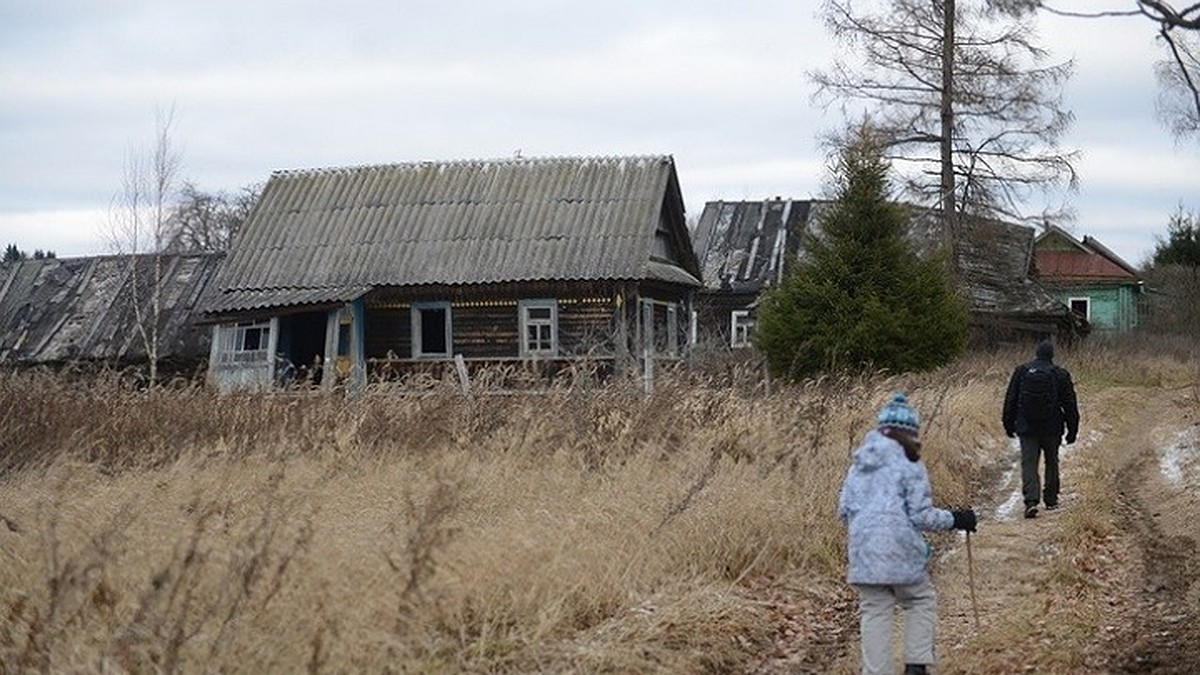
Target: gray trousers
x,y
877,605
1032,448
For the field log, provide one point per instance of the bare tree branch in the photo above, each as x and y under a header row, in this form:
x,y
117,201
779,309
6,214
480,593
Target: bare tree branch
x,y
960,94
1179,74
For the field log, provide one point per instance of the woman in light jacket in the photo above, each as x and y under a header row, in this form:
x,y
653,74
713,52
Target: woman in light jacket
x,y
887,504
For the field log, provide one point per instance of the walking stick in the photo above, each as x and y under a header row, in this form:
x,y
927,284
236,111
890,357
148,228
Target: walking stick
x,y
971,582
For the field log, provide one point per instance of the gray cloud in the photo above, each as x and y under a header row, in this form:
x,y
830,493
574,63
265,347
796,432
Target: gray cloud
x,y
268,85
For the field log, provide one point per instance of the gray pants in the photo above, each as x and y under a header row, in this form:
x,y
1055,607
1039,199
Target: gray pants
x,y
1032,448
877,605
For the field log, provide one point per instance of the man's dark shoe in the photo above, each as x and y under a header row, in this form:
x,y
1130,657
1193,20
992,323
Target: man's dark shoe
x,y
1051,507
1031,511
915,669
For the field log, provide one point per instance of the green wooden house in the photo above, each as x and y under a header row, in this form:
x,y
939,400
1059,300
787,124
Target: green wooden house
x,y
1089,278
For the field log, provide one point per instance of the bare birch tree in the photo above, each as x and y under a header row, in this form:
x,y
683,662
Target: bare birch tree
x,y
140,229
971,114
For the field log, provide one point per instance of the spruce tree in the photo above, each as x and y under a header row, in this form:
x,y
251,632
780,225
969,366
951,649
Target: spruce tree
x,y
859,298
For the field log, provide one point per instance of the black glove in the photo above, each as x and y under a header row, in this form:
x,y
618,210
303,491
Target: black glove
x,y
964,520
1071,437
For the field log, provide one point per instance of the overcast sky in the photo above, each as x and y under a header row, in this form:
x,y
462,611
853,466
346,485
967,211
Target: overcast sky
x,y
260,85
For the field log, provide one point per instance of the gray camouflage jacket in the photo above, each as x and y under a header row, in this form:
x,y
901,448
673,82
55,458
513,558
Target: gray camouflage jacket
x,y
886,502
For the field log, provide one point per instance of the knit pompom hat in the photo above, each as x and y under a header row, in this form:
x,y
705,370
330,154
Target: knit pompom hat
x,y
899,414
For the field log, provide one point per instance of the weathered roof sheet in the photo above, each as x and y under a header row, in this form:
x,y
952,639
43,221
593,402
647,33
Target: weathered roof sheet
x,y
743,245
331,231
63,309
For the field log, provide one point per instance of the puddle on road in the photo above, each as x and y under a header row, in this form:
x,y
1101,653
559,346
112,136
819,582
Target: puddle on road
x,y
1015,503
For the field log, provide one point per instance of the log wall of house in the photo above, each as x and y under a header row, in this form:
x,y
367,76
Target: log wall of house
x,y
490,329
586,326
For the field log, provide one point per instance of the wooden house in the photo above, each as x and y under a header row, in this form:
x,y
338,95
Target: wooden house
x,y
745,247
1094,282
376,270
90,310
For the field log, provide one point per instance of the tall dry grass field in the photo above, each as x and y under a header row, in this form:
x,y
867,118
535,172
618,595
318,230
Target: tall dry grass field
x,y
598,530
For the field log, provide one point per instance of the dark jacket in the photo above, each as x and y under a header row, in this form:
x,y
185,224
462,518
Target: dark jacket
x,y
1066,414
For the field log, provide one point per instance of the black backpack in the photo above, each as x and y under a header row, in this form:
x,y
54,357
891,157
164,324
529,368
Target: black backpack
x,y
1037,397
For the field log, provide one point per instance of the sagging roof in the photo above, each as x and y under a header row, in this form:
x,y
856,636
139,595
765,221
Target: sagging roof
x,y
741,246
82,309
744,245
334,233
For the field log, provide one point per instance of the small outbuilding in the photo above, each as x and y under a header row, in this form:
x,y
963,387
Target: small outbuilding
x,y
1094,282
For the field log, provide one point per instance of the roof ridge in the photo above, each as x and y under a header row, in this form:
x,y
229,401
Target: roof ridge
x,y
500,161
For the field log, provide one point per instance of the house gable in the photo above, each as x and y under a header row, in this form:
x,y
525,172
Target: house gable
x,y
1096,283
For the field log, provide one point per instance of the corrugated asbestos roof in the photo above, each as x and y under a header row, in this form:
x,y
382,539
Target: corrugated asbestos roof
x,y
64,309
333,233
743,246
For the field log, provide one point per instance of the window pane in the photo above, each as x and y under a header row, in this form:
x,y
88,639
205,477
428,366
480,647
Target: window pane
x,y
542,313
253,340
433,330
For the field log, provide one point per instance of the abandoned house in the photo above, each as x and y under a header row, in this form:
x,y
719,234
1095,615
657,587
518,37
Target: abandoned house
x,y
373,271
1094,282
743,248
101,310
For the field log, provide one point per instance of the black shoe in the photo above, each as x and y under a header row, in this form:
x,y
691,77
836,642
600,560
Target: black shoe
x,y
1051,507
1031,511
915,669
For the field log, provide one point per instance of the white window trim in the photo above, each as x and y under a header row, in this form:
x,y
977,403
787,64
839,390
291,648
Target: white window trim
x,y
1087,301
739,333
416,311
231,342
523,307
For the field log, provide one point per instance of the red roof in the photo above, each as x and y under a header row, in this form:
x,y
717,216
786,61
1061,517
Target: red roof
x,y
1077,265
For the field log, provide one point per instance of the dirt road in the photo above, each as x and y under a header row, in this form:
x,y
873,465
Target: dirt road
x,y
1107,583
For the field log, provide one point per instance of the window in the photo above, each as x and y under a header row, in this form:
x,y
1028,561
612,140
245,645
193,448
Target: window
x,y
1082,307
741,327
245,342
431,330
539,327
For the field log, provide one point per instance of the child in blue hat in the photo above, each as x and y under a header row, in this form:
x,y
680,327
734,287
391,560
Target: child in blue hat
x,y
886,503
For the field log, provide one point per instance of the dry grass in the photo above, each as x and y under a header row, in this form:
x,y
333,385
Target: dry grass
x,y
594,530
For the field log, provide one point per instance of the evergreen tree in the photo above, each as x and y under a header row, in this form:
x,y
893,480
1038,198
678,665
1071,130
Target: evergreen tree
x,y
859,298
1182,245
1174,274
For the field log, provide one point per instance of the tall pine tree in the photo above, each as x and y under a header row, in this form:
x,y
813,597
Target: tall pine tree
x,y
859,298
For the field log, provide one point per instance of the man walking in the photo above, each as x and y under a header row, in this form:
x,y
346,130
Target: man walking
x,y
1038,406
